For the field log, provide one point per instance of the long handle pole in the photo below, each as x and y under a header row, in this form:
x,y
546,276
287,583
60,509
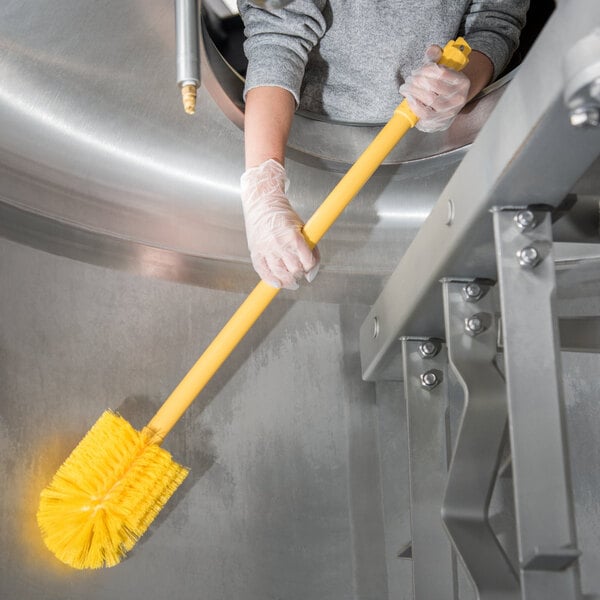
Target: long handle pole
x,y
454,56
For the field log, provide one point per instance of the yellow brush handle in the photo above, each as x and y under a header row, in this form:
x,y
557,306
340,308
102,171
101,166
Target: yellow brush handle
x,y
455,56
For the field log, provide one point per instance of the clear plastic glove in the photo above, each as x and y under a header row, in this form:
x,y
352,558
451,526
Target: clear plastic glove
x,y
279,252
435,94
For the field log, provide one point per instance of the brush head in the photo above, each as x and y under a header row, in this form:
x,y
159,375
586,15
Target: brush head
x,y
106,494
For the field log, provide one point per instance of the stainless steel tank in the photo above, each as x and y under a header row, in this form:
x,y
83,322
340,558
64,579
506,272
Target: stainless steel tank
x,y
113,201
99,162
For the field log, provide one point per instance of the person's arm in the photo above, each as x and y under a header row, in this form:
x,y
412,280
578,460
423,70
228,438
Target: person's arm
x,y
268,118
493,28
277,46
480,71
437,94
279,252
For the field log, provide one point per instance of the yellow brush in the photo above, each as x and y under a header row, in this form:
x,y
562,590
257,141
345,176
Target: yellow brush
x,y
114,483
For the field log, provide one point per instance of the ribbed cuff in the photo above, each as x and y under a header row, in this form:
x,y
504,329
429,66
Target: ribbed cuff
x,y
273,65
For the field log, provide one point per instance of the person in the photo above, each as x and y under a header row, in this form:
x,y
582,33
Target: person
x,y
351,61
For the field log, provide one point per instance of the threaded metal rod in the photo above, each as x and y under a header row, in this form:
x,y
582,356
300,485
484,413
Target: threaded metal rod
x,y
188,60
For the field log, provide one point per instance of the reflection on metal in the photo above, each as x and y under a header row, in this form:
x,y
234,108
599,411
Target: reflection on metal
x,y
97,158
582,72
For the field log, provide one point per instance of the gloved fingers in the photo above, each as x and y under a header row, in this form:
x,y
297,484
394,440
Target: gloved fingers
x,y
444,106
279,252
264,272
305,255
433,53
433,84
296,260
279,266
281,273
273,271
436,94
288,266
310,275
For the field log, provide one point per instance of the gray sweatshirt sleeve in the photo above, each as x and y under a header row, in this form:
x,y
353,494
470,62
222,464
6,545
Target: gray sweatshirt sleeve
x,y
278,43
494,27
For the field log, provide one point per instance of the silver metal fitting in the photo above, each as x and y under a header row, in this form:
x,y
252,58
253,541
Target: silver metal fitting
x,y
375,330
585,116
529,257
472,292
429,349
581,70
474,325
525,220
431,379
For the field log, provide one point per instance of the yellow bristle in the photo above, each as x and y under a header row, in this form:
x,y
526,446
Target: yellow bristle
x,y
106,494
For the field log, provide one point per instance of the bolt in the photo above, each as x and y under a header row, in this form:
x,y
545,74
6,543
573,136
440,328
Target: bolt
x,y
430,379
474,325
429,349
528,257
525,220
585,116
472,292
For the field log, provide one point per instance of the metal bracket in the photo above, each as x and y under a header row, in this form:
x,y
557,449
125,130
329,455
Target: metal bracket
x,y
551,559
481,436
543,503
425,377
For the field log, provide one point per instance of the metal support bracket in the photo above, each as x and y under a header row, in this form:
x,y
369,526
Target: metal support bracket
x,y
425,383
471,335
540,466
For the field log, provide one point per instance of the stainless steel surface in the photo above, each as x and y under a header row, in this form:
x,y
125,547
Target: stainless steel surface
x,y
434,563
580,334
99,163
299,486
478,448
283,499
527,153
546,532
188,42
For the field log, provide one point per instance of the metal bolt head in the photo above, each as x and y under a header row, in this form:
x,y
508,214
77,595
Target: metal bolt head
x,y
474,325
429,349
472,292
525,220
585,116
430,379
528,257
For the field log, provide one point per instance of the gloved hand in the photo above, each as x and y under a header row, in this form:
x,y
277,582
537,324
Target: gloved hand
x,y
436,94
279,252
